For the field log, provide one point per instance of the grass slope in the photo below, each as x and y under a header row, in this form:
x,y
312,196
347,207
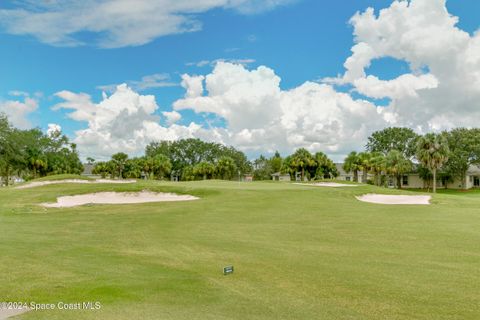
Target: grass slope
x,y
62,177
299,252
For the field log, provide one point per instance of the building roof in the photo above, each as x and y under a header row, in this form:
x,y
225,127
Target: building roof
x,y
278,174
474,170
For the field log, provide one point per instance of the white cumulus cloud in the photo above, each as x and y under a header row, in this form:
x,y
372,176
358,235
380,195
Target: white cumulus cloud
x,y
116,23
122,122
261,116
17,110
442,91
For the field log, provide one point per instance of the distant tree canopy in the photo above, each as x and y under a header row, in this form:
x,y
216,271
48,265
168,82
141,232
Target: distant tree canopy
x,y
464,146
310,166
187,159
189,153
403,140
31,153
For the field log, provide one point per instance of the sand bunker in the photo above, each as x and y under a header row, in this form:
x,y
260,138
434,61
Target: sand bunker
x,y
328,184
44,183
116,198
394,199
7,313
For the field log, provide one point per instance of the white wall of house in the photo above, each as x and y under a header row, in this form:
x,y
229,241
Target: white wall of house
x,y
457,184
413,181
345,177
349,177
473,181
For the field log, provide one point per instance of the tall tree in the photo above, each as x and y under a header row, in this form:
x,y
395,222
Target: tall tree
x,y
204,169
433,152
397,165
377,165
161,166
353,163
325,168
302,160
365,164
464,145
393,138
225,168
119,159
102,169
276,162
262,168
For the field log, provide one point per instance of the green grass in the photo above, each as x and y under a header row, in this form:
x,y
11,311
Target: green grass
x,y
62,177
300,252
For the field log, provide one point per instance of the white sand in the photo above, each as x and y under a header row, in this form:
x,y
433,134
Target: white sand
x,y
44,183
328,184
394,199
7,313
116,198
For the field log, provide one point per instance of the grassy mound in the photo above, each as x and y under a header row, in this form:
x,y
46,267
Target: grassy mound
x,y
62,177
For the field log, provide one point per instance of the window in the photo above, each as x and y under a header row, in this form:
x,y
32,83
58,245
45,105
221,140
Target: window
x,y
405,180
347,178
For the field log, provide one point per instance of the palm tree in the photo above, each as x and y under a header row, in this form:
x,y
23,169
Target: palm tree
x,y
325,166
365,164
377,162
119,160
225,168
301,160
397,165
352,163
432,152
101,168
204,169
161,165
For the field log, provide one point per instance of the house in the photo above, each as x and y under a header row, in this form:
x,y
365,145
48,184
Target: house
x,y
277,176
348,176
414,181
471,179
88,169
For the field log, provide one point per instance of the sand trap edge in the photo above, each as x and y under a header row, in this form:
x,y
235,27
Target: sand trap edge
x,y
117,198
327,184
8,313
35,184
390,199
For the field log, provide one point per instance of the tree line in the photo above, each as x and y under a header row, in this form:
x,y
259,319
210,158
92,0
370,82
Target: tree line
x,y
30,153
309,166
185,159
391,152
397,151
194,159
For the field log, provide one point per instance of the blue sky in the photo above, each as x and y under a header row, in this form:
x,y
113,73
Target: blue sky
x,y
301,41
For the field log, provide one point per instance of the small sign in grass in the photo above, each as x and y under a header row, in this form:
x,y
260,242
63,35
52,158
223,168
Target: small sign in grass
x,y
227,270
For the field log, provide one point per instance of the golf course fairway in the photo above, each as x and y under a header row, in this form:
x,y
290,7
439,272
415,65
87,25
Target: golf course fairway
x,y
298,253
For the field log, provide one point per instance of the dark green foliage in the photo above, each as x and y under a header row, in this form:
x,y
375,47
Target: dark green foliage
x,y
464,146
185,154
30,153
353,163
394,138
